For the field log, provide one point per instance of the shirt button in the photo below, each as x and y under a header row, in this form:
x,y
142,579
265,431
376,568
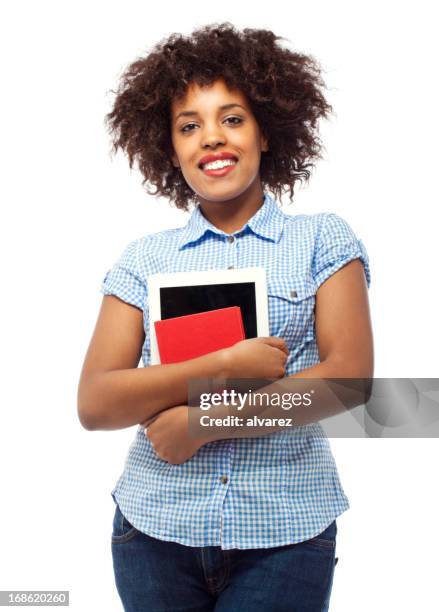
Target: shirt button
x,y
231,238
293,294
224,479
230,268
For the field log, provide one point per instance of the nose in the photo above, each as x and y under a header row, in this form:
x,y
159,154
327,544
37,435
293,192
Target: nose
x,y
212,137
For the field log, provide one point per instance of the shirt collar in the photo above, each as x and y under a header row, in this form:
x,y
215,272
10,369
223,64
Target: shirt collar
x,y
267,222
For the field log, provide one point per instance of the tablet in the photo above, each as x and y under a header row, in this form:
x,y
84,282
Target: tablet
x,y
177,294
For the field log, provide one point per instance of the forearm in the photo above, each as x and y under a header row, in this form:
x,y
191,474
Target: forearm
x,y
323,404
121,398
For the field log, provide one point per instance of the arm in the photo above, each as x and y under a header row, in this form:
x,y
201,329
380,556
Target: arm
x,y
113,392
345,343
344,338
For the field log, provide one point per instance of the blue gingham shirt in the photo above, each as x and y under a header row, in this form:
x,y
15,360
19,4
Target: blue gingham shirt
x,y
244,493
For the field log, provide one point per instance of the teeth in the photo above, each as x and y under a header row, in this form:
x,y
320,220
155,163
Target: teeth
x,y
218,164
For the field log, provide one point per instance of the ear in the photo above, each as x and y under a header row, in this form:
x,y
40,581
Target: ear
x,y
264,144
175,161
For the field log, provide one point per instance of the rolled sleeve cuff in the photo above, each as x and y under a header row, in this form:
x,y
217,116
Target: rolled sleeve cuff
x,y
124,280
338,245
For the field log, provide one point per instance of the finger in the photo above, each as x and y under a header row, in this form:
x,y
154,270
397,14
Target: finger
x,y
274,341
278,343
285,350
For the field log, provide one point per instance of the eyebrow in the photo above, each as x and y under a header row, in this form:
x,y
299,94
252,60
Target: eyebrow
x,y
190,113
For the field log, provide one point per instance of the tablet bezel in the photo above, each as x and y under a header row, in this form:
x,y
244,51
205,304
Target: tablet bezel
x,y
256,275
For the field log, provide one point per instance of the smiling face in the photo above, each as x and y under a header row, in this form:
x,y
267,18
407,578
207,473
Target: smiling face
x,y
214,121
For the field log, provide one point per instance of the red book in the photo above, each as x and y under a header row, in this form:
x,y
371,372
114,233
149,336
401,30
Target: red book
x,y
190,336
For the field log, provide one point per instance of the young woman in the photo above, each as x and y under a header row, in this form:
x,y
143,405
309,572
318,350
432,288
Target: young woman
x,y
218,120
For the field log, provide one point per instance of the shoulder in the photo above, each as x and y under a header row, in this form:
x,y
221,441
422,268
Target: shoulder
x,y
142,252
127,279
314,223
157,240
325,241
318,230
303,230
335,244
304,222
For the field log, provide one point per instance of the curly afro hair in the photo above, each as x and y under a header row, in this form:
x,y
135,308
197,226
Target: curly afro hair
x,y
283,88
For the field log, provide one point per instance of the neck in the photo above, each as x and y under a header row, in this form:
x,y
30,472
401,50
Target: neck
x,y
231,215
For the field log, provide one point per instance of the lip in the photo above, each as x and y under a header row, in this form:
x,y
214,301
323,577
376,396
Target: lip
x,y
220,172
215,157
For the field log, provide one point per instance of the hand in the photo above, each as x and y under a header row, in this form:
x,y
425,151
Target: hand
x,y
257,358
168,432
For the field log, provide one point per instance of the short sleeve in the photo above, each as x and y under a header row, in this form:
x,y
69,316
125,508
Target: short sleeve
x,y
124,280
336,246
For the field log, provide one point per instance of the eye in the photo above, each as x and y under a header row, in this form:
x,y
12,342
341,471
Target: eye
x,y
183,129
234,121
237,119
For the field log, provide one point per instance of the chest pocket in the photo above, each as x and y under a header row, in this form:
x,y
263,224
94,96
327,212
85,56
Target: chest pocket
x,y
291,302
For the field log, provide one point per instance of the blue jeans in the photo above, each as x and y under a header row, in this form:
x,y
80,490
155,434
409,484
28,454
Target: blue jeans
x,y
158,576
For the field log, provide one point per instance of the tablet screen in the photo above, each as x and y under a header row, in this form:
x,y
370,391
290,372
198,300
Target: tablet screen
x,y
186,300
176,294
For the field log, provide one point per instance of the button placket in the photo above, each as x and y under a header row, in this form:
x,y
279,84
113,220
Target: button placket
x,y
224,474
231,255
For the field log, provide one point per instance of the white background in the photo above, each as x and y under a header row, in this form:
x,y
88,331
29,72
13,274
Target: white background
x,y
69,209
